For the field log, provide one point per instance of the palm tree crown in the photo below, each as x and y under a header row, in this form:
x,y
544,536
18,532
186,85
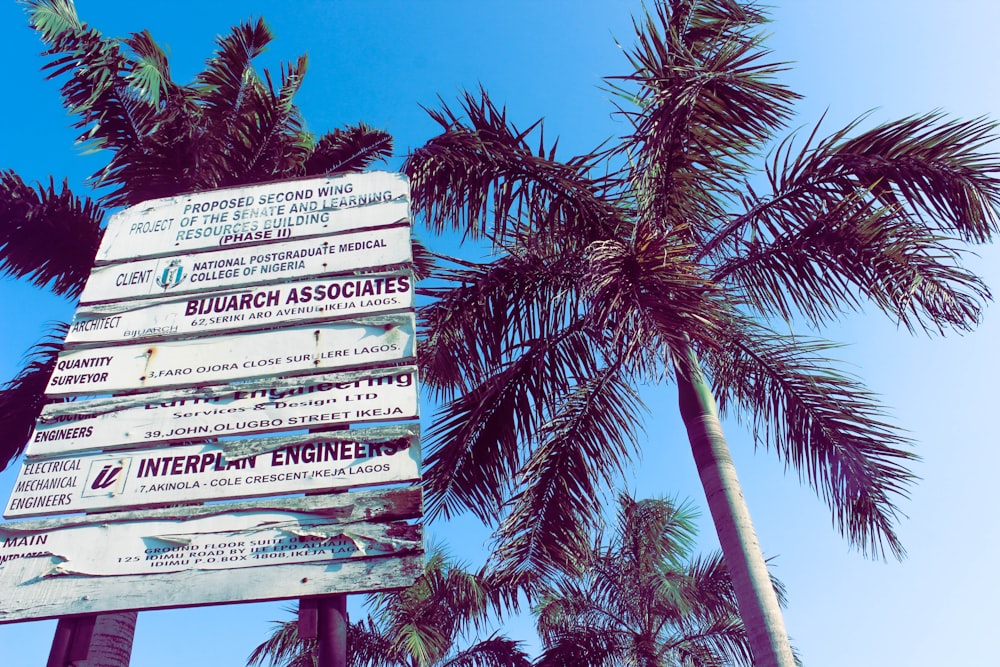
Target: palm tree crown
x,y
422,625
643,598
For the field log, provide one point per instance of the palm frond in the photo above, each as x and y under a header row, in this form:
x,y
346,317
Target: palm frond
x,y
927,165
150,75
586,444
368,646
475,448
162,160
586,646
823,424
481,174
47,236
494,651
650,294
482,314
53,18
101,77
229,83
170,160
249,129
654,531
22,398
284,648
704,102
424,620
352,148
821,262
275,144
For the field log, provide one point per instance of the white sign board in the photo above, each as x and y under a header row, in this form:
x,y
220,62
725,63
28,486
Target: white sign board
x,y
216,471
241,310
261,406
236,267
299,350
252,215
204,555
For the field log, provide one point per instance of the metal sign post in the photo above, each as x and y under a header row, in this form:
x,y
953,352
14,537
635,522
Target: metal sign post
x,y
332,625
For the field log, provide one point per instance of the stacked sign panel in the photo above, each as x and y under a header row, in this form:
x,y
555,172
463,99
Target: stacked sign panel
x,y
219,339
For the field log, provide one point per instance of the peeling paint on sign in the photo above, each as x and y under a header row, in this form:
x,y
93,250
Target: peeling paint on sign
x,y
259,406
185,556
297,350
251,215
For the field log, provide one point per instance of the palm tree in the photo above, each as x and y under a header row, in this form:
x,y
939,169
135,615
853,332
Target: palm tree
x,y
642,598
418,626
230,126
668,256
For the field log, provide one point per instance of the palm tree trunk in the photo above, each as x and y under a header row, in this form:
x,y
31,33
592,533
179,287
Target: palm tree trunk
x,y
102,640
111,644
755,594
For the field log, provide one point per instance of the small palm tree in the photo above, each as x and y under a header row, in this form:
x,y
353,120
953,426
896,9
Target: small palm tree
x,y
642,598
418,626
669,256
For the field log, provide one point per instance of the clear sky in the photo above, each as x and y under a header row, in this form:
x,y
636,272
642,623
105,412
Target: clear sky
x,y
379,61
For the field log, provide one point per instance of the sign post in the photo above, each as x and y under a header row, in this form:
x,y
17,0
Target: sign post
x,y
332,622
218,334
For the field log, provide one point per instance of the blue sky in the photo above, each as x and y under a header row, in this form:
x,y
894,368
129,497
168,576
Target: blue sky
x,y
378,61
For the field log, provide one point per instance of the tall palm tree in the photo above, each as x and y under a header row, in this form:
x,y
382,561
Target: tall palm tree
x,y
642,598
668,255
230,126
419,626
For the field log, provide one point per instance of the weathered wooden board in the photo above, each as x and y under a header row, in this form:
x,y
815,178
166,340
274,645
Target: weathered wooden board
x,y
206,555
249,309
216,471
259,406
391,504
236,267
64,596
237,540
251,215
296,350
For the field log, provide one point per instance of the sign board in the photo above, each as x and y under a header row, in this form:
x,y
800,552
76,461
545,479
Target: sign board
x,y
214,318
216,471
202,555
260,406
253,215
252,308
304,349
236,267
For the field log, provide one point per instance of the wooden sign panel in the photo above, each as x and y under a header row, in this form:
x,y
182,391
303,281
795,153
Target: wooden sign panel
x,y
236,267
261,406
342,344
212,554
251,215
242,310
216,471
